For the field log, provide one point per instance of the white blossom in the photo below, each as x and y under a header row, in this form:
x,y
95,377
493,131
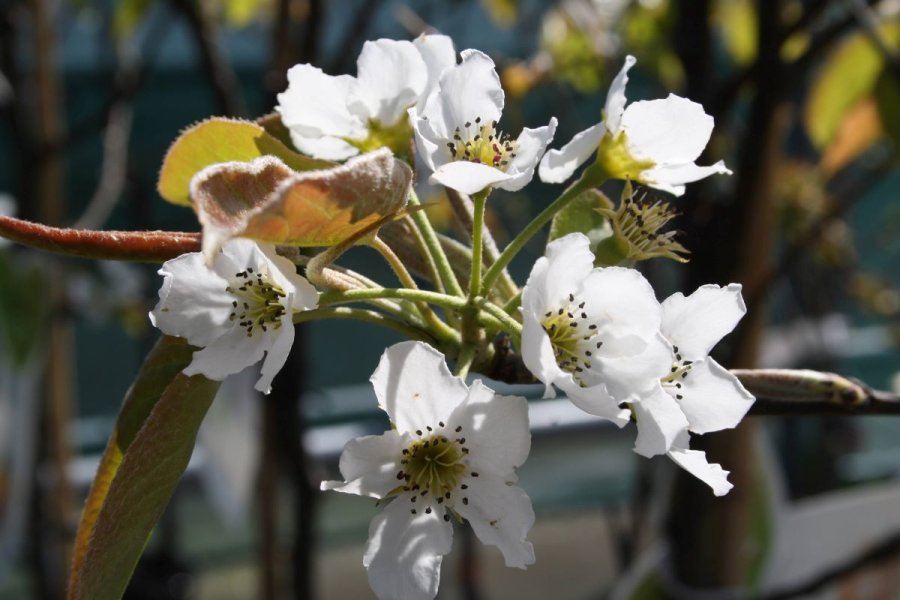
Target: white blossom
x,y
452,453
591,332
337,117
457,135
237,311
697,395
654,142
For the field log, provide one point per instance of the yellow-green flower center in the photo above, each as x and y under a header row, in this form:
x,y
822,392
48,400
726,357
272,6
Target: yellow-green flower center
x,y
573,337
480,142
435,464
397,137
616,161
257,304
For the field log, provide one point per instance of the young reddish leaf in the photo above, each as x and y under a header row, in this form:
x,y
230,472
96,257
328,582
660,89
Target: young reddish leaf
x,y
139,246
144,459
264,200
220,140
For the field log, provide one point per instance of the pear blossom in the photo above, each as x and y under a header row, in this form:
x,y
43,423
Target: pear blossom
x,y
236,312
654,142
591,332
698,395
337,117
451,453
457,136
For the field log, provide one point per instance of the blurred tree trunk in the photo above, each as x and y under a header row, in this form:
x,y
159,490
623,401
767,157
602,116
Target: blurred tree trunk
x,y
711,537
49,201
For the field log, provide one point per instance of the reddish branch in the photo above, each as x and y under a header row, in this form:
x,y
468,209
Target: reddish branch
x,y
138,246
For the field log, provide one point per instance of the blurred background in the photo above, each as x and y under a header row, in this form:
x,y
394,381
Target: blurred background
x,y
806,97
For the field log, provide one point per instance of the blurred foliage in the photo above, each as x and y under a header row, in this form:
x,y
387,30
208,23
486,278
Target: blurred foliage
x,y
20,285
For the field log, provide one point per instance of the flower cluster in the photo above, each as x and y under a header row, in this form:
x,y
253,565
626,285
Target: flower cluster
x,y
600,335
597,334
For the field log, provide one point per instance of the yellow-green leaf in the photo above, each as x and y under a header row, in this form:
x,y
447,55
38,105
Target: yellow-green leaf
x,y
146,455
581,215
220,140
849,74
266,201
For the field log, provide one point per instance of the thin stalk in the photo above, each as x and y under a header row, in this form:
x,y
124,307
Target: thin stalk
x,y
532,228
510,325
464,360
362,314
480,200
441,329
429,259
513,304
444,300
445,272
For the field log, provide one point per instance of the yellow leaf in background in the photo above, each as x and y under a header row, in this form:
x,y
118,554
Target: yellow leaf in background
x,y
849,74
860,127
737,21
502,12
127,14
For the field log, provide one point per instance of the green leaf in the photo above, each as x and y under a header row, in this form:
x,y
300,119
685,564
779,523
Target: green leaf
x,y
220,140
887,97
581,215
146,455
18,282
849,74
264,200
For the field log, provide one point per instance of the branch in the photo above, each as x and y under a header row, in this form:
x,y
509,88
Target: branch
x,y
137,246
804,392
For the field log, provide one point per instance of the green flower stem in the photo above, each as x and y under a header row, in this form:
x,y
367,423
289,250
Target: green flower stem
x,y
447,278
510,325
443,300
513,304
479,200
363,314
426,254
464,360
532,228
441,328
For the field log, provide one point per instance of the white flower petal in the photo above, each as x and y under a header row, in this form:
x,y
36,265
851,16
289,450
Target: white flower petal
x,y
531,145
305,296
615,98
429,144
404,551
671,178
471,89
712,398
324,147
438,53
391,77
673,130
415,387
622,302
276,354
229,354
696,323
659,422
538,356
192,301
628,375
558,165
468,177
596,400
369,465
695,463
501,515
567,262
323,112
495,428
